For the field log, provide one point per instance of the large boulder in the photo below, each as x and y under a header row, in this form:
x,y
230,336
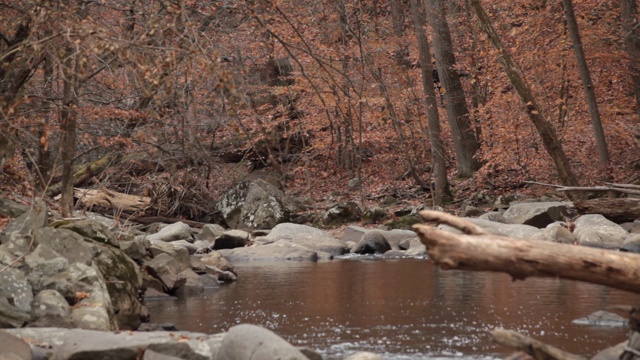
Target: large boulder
x,y
372,242
11,208
279,250
251,342
595,230
253,204
173,232
307,236
538,214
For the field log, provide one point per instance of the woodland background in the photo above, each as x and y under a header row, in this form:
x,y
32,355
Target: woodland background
x,y
179,99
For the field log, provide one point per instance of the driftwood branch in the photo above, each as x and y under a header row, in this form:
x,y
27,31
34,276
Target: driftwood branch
x,y
536,349
524,258
607,187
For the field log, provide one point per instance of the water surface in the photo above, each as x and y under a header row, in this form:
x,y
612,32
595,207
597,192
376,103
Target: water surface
x,y
403,309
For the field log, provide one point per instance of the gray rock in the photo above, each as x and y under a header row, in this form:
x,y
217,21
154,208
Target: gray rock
x,y
557,233
375,215
215,259
279,250
166,269
11,316
11,208
537,214
172,232
210,232
353,233
372,242
471,211
632,227
631,244
190,247
525,232
602,318
123,281
597,231
342,213
15,288
50,309
35,218
494,216
68,244
137,249
95,311
253,204
244,342
179,253
231,239
416,248
82,344
14,348
45,260
611,353
90,229
192,283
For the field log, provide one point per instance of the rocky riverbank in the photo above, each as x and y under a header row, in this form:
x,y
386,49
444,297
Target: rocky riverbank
x,y
70,287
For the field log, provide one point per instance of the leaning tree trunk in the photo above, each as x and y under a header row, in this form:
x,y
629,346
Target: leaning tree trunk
x,y
550,140
589,92
464,139
439,169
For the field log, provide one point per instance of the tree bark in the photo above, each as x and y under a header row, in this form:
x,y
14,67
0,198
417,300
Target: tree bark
x,y
68,119
631,35
480,251
439,169
589,92
547,132
464,139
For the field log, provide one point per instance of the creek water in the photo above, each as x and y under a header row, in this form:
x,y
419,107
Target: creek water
x,y
400,308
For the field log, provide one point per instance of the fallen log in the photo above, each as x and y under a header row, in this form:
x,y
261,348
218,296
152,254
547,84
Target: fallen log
x,y
617,210
536,349
85,173
478,250
108,199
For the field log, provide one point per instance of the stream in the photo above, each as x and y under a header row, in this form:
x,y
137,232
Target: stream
x,y
400,308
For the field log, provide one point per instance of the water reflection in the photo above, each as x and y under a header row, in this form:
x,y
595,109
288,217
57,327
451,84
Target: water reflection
x,y
405,309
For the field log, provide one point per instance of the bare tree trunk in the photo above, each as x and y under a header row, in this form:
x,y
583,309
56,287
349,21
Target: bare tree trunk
x,y
439,169
68,118
631,35
397,20
589,92
550,140
464,140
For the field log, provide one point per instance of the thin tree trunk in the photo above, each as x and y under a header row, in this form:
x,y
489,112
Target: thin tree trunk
x,y
68,118
464,140
397,20
631,35
589,92
550,140
439,170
